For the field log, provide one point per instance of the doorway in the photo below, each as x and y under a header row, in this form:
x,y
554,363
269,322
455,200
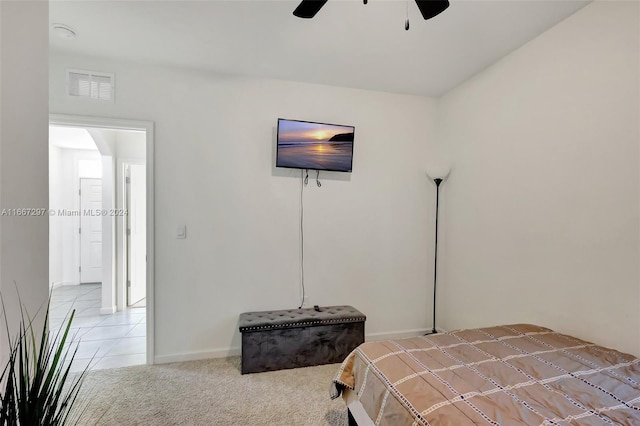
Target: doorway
x,y
136,234
119,334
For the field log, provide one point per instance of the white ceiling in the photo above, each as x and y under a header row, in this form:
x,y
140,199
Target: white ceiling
x,y
71,138
347,44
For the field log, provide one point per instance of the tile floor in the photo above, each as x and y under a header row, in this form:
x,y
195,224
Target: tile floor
x,y
117,340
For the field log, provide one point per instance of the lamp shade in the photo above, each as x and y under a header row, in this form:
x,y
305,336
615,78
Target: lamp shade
x,y
438,172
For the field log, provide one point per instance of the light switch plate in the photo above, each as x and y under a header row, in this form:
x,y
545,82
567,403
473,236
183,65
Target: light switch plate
x,y
181,232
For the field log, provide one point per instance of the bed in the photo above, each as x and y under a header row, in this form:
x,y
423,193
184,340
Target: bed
x,y
505,375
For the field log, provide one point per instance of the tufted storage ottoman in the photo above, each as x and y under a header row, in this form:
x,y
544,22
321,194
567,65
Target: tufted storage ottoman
x,y
275,340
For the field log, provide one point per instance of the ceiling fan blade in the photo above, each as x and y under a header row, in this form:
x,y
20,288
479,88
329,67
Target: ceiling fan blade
x,y
308,8
431,8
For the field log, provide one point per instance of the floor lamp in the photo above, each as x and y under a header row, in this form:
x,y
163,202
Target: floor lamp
x,y
437,181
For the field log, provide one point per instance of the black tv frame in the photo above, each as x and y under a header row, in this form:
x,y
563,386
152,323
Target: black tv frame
x,y
312,168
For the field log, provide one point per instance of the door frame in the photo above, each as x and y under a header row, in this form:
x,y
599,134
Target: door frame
x,y
134,265
147,127
121,229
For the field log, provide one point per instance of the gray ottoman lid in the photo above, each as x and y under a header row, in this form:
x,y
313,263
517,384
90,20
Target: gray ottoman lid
x,y
253,321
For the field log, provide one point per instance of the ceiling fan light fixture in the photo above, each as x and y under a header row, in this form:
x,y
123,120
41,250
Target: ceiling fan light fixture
x,y
308,8
431,8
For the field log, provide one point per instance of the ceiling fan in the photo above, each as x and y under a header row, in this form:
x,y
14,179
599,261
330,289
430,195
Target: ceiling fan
x,y
428,8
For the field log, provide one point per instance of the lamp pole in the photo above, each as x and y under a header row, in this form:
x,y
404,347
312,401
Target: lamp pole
x,y
437,181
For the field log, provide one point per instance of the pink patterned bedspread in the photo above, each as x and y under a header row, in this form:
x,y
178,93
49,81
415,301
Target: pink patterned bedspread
x,y
505,375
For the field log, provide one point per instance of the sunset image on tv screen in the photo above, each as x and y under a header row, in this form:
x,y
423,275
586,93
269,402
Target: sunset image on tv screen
x,y
318,146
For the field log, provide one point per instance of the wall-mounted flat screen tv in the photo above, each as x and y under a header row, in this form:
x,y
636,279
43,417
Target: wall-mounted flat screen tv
x,y
316,146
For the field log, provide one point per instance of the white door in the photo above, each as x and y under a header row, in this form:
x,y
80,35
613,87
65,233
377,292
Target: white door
x,y
90,230
137,231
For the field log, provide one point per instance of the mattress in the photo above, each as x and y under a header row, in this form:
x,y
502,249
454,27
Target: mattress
x,y
504,375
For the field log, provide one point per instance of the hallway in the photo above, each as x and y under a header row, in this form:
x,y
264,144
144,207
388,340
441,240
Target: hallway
x,y
117,340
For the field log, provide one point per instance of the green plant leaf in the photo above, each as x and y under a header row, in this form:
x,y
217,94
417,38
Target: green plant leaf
x,y
38,388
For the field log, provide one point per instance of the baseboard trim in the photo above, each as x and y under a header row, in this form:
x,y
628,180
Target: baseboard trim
x,y
62,283
108,310
236,351
196,356
373,337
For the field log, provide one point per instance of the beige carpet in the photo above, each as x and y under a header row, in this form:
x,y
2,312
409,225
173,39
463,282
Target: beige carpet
x,y
210,392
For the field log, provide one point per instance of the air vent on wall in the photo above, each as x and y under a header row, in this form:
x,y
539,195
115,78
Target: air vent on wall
x,y
90,85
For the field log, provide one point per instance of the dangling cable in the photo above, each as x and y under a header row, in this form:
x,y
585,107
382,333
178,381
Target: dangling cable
x,y
306,179
318,178
303,182
406,22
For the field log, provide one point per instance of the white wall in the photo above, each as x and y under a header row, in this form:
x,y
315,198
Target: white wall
x,y
131,149
366,233
541,210
115,145
23,156
107,140
131,145
540,215
65,173
109,240
119,143
56,246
